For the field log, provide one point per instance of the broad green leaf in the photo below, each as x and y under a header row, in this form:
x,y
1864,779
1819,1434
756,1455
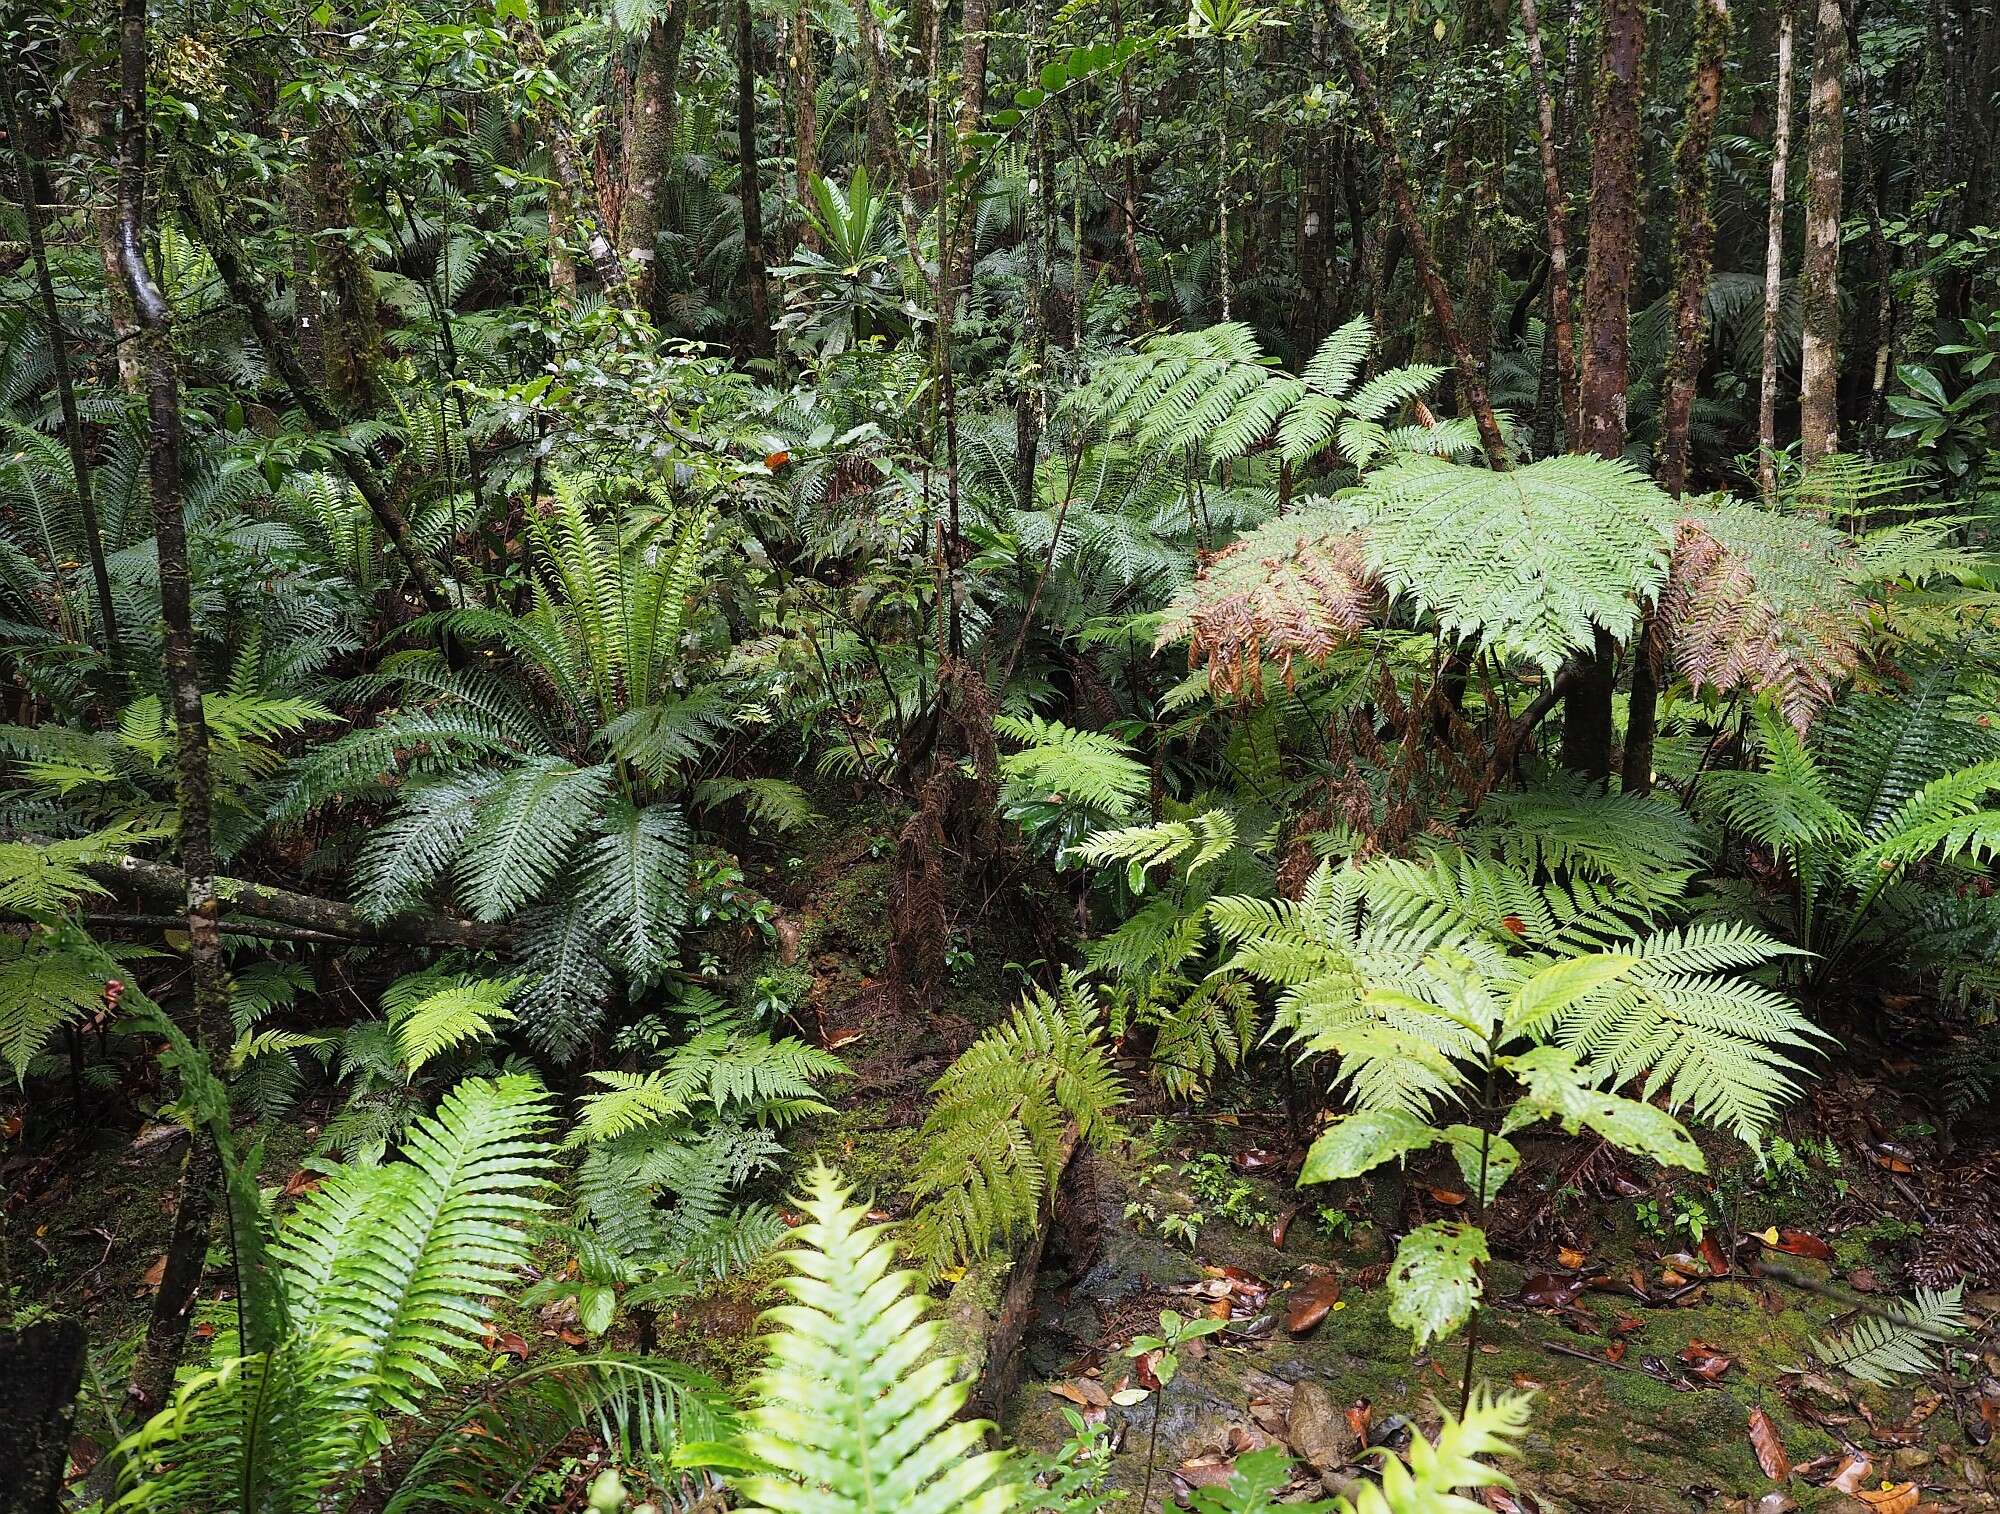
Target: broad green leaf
x,y
1501,1158
1561,984
1357,1142
1557,1089
1434,1282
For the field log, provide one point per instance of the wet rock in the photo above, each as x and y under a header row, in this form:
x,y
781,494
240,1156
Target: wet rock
x,y
1316,1428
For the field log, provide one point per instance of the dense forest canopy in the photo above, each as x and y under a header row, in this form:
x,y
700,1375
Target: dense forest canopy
x,y
738,736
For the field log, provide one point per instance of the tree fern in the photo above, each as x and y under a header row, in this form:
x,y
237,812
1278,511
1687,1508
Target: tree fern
x,y
990,1143
1533,561
856,1409
1882,1349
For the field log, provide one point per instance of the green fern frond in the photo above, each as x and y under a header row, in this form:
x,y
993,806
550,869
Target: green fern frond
x,y
45,984
632,1101
451,1014
1089,767
991,1142
1883,1350
1208,835
1534,561
635,884
856,1409
767,801
527,829
405,1257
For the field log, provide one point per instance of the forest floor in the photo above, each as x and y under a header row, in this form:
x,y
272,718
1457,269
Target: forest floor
x,y
1614,1294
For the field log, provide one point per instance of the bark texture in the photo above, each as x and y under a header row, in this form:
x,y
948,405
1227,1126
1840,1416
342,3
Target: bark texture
x,y
649,149
1607,334
1819,291
1562,319
750,183
1774,262
166,1331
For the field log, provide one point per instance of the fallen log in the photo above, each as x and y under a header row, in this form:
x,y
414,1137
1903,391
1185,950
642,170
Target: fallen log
x,y
307,912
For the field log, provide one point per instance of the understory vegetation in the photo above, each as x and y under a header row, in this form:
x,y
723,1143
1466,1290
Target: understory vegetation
x,y
710,709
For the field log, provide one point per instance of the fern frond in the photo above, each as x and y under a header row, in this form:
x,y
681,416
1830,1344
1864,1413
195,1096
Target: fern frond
x,y
1208,835
455,1012
527,829
1087,766
1883,1350
856,1409
990,1142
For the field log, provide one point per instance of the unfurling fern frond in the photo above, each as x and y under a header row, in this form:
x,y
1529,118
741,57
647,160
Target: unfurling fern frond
x,y
992,1141
1208,835
1881,1349
1089,767
856,1409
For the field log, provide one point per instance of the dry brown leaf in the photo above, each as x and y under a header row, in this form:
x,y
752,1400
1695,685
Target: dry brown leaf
x,y
1896,1498
1311,1303
1799,1243
1852,1472
155,1274
1570,1257
1769,1446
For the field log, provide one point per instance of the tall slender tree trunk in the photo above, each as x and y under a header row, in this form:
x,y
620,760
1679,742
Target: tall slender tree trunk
x,y
350,333
805,118
1128,177
574,210
1694,242
1607,334
881,129
97,139
649,150
750,183
1819,294
166,1331
1396,180
1562,329
1035,289
1774,261
79,455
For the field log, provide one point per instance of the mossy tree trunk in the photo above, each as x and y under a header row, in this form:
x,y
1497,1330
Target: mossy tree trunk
x,y
1819,294
649,148
166,1332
